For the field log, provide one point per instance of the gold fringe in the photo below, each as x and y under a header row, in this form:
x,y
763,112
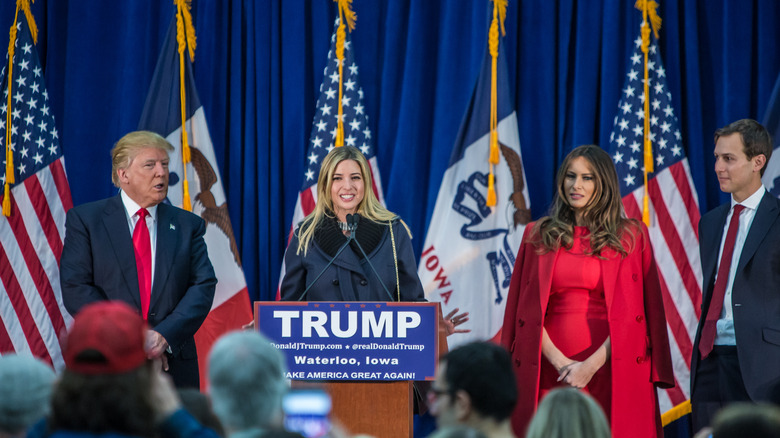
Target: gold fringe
x,y
501,6
676,413
346,13
25,6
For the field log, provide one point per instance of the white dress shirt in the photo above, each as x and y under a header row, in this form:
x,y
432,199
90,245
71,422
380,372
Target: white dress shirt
x,y
725,325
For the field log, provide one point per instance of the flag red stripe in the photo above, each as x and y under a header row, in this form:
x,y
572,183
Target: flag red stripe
x,y
681,179
41,207
373,181
16,296
35,268
632,206
673,242
6,345
307,202
61,180
676,324
676,394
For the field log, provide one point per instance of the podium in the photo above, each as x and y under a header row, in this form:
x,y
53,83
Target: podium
x,y
380,408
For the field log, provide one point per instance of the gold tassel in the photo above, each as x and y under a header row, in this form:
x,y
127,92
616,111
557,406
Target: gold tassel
x,y
499,14
491,194
185,37
649,18
10,178
348,16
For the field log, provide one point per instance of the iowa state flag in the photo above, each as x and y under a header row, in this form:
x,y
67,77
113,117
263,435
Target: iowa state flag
x,y
162,114
470,249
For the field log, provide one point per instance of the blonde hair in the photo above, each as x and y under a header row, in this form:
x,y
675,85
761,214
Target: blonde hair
x,y
369,207
568,413
603,214
126,149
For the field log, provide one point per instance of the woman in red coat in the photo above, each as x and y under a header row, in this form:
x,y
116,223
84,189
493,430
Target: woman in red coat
x,y
584,306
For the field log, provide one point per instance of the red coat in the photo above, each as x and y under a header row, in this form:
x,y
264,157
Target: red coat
x,y
640,356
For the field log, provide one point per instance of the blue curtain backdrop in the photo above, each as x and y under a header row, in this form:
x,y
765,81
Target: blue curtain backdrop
x,y
259,64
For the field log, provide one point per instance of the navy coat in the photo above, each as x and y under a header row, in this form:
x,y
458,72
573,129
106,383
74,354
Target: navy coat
x,y
349,277
98,263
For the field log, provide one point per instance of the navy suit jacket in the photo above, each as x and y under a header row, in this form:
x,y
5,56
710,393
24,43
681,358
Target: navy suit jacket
x,y
98,263
755,296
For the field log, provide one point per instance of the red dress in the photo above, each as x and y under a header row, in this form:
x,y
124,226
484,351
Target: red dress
x,y
576,317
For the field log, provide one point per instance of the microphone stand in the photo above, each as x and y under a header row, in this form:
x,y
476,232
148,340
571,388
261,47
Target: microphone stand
x,y
356,217
333,259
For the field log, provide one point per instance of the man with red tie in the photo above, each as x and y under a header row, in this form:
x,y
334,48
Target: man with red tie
x,y
736,354
151,255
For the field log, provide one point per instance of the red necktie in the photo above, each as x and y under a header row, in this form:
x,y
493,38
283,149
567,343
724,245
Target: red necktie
x,y
709,329
143,260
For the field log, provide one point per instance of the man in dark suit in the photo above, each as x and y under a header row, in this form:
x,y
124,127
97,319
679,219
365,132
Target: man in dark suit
x,y
151,255
736,354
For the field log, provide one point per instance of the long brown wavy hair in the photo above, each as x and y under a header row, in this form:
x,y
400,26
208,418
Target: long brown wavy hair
x,y
369,207
603,215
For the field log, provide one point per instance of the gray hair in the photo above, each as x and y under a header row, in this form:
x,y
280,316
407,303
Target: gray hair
x,y
246,381
568,413
26,385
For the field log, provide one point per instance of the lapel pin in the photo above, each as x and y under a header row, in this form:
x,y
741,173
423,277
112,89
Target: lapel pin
x,y
173,227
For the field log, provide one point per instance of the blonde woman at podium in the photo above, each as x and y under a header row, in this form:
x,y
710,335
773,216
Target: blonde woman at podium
x,y
351,248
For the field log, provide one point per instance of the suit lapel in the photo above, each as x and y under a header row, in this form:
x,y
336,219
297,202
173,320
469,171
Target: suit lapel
x,y
766,214
167,240
118,231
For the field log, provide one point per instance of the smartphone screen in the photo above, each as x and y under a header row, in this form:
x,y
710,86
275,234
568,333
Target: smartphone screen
x,y
307,412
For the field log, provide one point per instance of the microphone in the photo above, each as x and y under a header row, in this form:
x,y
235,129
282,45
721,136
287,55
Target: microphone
x,y
350,219
355,218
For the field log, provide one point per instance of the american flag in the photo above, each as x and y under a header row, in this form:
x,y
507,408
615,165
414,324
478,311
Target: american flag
x,y
357,133
31,238
674,209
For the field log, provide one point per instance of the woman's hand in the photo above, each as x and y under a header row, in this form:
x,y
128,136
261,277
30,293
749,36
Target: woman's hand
x,y
578,374
451,321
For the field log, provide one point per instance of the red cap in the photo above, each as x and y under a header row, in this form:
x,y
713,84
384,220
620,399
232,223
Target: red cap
x,y
112,329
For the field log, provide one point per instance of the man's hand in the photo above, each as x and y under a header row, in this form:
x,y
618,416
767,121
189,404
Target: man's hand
x,y
155,347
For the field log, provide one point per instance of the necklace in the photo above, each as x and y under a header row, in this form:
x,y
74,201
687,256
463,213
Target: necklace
x,y
343,226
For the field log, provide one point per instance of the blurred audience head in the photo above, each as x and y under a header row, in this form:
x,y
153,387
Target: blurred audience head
x,y
26,385
458,432
107,382
246,382
568,413
747,420
474,386
198,405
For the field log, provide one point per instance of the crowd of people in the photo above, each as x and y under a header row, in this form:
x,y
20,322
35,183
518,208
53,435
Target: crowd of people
x,y
583,348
